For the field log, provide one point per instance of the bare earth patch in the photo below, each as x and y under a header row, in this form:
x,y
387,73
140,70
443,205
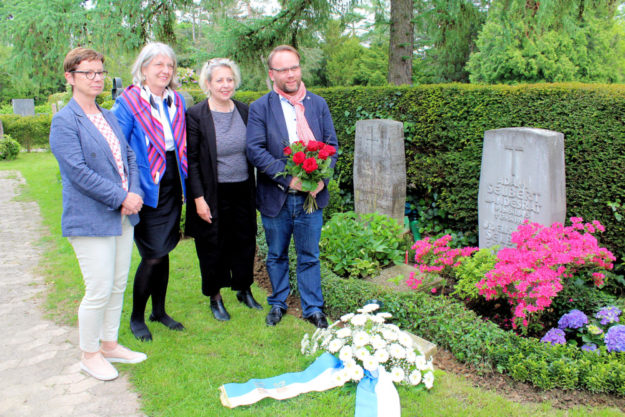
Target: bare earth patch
x,y
501,384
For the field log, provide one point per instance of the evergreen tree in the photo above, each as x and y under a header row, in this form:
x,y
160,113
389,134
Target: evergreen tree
x,y
559,40
446,31
38,36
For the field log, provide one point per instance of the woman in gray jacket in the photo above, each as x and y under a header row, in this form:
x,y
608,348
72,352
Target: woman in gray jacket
x,y
101,202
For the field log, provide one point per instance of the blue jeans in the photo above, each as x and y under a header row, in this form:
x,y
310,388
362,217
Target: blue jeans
x,y
306,230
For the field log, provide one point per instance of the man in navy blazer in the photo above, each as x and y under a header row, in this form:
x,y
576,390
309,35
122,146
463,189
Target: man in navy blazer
x,y
277,119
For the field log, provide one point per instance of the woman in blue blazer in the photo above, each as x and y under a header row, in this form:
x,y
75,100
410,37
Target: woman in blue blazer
x,y
152,116
101,201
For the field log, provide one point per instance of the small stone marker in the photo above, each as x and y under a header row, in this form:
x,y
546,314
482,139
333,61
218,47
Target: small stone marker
x,y
24,106
426,347
188,98
1,130
380,168
522,177
395,277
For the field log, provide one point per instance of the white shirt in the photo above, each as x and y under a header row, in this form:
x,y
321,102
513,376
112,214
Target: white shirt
x,y
290,119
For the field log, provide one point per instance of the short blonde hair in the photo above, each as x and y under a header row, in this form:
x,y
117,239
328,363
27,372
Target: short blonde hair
x,y
147,54
206,75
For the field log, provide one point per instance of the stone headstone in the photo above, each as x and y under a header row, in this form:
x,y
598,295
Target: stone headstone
x,y
24,106
188,98
380,168
522,177
1,130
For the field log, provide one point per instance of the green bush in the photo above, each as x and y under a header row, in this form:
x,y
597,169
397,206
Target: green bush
x,y
472,270
9,148
358,245
107,104
29,131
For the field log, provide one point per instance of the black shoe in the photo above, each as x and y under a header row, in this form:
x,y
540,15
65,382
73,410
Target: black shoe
x,y
318,319
168,321
140,330
219,310
246,298
274,316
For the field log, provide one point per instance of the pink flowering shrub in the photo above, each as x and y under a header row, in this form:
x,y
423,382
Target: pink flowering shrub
x,y
532,274
436,256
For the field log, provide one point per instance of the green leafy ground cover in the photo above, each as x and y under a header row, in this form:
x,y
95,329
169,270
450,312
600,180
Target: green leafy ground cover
x,y
185,369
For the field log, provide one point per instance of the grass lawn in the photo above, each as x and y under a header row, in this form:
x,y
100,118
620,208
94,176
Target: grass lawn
x,y
185,369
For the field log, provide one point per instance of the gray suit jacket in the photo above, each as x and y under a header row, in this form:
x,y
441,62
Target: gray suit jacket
x,y
92,188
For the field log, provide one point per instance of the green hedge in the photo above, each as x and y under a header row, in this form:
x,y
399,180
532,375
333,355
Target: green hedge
x,y
471,339
30,131
481,343
444,127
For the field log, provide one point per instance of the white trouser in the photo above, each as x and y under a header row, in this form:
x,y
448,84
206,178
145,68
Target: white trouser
x,y
104,263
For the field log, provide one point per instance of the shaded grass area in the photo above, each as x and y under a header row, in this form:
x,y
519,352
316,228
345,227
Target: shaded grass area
x,y
185,369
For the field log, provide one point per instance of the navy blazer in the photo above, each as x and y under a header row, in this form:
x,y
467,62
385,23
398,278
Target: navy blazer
x,y
267,136
92,188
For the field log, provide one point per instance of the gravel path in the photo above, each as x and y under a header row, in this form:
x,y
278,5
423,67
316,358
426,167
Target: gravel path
x,y
39,360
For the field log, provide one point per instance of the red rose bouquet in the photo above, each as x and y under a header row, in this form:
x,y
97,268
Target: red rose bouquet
x,y
310,163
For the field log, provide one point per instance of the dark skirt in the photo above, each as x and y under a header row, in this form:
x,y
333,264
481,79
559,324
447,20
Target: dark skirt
x,y
158,231
226,254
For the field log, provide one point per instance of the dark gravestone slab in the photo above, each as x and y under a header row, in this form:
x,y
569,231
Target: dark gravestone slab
x,y
522,177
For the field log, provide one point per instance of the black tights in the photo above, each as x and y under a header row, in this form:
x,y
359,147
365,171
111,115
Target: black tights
x,y
151,279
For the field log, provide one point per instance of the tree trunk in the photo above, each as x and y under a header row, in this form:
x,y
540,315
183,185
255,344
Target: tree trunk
x,y
401,43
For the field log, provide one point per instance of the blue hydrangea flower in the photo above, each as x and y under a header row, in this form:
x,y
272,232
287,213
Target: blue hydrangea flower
x,y
573,320
608,315
555,337
615,338
590,347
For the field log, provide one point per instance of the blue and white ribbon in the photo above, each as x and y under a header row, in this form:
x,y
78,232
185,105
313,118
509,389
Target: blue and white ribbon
x,y
376,395
317,377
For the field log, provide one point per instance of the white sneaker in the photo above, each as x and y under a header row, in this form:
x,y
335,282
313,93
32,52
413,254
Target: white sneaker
x,y
98,368
122,354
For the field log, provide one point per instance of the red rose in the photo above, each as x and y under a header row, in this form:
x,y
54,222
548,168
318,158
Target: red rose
x,y
287,151
310,165
312,146
331,149
299,157
324,154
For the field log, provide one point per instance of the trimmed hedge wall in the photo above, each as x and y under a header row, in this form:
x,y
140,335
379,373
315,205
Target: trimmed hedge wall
x,y
29,131
444,128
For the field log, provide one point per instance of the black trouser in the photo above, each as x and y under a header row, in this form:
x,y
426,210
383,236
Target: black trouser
x,y
227,260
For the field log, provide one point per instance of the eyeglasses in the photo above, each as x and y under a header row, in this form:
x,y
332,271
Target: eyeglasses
x,y
294,68
91,74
